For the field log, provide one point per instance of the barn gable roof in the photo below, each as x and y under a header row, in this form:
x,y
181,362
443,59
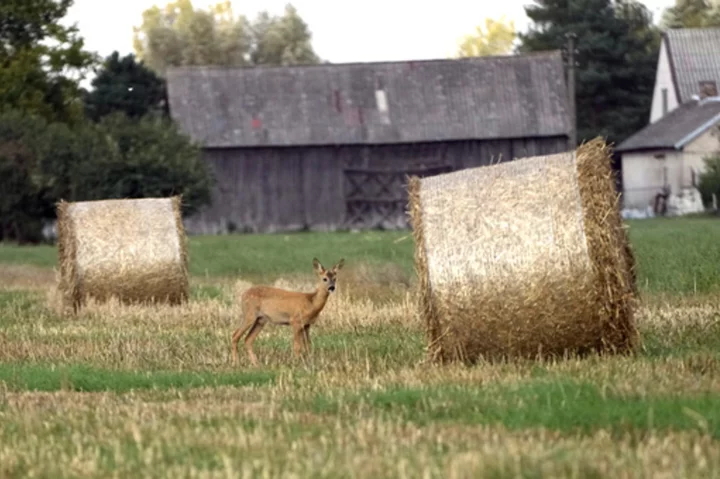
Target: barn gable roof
x,y
676,129
430,100
694,58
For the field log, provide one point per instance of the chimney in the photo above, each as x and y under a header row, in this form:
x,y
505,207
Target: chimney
x,y
708,88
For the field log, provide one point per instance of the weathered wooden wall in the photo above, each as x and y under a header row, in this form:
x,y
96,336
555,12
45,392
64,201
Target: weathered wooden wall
x,y
290,189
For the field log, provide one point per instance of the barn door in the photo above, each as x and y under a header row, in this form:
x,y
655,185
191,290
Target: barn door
x,y
377,198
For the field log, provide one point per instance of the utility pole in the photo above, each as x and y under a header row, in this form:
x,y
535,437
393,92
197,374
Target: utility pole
x,y
571,88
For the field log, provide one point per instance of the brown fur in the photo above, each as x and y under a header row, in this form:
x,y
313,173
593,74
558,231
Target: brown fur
x,y
264,304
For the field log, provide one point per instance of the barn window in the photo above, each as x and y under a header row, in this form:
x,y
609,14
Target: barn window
x,y
381,100
664,101
382,105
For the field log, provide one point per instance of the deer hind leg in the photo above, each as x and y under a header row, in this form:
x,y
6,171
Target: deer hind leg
x,y
249,321
250,338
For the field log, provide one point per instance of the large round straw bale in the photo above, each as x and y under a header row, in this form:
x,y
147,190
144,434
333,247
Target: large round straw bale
x,y
131,249
527,258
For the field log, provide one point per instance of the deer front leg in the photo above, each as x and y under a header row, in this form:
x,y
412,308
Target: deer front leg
x,y
306,338
298,336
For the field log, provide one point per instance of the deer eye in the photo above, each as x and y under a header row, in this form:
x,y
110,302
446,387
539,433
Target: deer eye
x,y
324,279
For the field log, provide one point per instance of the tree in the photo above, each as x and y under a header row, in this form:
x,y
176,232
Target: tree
x,y
692,14
617,47
41,61
154,159
495,39
23,200
125,85
119,157
709,179
181,35
284,40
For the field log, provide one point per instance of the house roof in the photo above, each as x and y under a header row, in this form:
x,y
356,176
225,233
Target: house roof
x,y
694,57
676,129
474,98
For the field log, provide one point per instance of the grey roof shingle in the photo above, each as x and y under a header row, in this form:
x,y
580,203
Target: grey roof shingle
x,y
474,98
677,128
694,57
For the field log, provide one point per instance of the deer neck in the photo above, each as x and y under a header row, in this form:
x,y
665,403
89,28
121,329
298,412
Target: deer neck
x,y
319,298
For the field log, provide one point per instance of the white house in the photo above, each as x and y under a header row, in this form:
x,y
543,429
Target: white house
x,y
669,153
688,65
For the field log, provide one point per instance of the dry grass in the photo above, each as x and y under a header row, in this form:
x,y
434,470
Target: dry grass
x,y
215,433
366,404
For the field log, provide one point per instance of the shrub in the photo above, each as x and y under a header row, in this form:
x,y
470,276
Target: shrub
x,y
710,179
24,200
119,157
154,159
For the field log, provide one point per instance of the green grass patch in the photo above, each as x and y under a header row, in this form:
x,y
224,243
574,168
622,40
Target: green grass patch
x,y
675,255
558,404
662,342
80,377
272,255
206,292
41,255
21,301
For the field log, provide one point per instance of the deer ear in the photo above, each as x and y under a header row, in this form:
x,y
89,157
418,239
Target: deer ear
x,y
339,264
318,267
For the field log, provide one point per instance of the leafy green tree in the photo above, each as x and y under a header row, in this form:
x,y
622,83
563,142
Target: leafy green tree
x,y
71,159
709,183
281,40
126,85
709,179
181,35
118,157
41,61
153,159
692,14
496,38
617,47
23,202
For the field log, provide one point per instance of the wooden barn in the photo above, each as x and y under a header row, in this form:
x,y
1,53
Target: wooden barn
x,y
327,147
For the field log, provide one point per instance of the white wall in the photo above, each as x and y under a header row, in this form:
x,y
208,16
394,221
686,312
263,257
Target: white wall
x,y
644,174
663,80
697,150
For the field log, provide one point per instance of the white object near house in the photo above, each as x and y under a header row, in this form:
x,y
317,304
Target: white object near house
x,y
688,201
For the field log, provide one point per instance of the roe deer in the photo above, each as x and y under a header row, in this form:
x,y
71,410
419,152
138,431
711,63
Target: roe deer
x,y
264,304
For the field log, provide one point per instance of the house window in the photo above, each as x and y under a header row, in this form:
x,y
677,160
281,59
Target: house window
x,y
664,101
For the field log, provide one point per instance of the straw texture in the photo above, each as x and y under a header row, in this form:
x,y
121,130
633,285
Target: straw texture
x,y
134,250
526,258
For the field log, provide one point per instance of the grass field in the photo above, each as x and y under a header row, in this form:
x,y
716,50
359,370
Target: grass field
x,y
140,391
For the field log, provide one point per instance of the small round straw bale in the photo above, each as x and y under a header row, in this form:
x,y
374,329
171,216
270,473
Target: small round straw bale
x,y
527,258
132,249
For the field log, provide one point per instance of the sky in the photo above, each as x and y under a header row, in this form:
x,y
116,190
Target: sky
x,y
371,30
